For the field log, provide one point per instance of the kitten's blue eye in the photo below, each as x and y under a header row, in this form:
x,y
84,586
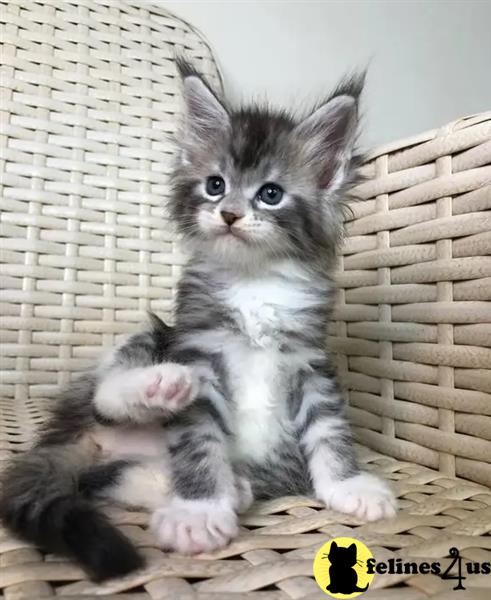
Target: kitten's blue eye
x,y
215,185
270,193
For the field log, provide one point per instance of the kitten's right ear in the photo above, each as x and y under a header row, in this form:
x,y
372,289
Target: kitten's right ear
x,y
205,116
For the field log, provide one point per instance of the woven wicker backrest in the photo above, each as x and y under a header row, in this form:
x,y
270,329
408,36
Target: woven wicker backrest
x,y
90,97
413,325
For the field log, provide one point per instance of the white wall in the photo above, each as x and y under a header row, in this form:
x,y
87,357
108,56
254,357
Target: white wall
x,y
429,60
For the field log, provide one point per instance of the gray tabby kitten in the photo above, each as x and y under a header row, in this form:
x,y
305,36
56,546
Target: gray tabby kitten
x,y
249,399
258,197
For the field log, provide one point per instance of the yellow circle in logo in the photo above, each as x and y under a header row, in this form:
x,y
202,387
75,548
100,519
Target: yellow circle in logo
x,y
340,568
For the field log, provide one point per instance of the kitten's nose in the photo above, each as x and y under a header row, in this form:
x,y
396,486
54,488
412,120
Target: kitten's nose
x,y
229,217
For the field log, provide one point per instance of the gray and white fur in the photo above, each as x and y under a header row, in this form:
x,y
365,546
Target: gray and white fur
x,y
95,448
258,196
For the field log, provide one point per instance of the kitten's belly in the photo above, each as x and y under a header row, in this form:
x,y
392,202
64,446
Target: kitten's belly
x,y
138,441
259,387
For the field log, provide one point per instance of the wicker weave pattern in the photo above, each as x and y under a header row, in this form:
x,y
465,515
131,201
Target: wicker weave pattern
x,y
414,321
90,100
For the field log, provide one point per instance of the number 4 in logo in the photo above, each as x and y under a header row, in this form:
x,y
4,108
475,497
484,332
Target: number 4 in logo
x,y
454,553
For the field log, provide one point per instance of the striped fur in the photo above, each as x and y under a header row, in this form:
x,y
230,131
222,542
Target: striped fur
x,y
256,409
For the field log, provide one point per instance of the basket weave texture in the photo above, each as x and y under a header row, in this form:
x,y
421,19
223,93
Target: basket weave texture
x,y
90,100
413,325
90,93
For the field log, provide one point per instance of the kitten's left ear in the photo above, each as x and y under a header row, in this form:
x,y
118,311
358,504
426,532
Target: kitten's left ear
x,y
328,135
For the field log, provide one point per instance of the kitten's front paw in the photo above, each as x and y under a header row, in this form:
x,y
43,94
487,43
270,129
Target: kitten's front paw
x,y
170,386
194,526
364,495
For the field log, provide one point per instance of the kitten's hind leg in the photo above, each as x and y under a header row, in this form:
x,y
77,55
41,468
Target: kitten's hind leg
x,y
144,394
144,483
133,483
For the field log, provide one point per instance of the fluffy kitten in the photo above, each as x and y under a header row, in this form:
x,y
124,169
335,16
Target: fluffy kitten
x,y
258,198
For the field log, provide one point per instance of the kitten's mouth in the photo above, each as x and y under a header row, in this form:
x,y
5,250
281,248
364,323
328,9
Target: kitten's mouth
x,y
236,233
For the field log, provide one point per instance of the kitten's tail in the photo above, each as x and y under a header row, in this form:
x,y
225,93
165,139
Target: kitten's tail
x,y
40,501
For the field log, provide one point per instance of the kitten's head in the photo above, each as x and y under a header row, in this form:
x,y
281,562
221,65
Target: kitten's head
x,y
255,184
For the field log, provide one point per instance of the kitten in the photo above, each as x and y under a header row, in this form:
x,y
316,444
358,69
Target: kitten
x,y
258,197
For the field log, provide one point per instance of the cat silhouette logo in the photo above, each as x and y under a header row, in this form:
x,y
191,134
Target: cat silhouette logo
x,y
340,568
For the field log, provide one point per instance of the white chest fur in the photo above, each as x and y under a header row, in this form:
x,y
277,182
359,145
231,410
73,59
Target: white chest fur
x,y
263,310
265,307
258,390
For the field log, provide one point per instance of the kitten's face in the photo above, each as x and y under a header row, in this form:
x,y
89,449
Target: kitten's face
x,y
246,196
250,186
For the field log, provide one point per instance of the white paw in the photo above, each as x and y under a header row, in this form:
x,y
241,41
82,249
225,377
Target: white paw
x,y
194,526
363,495
143,393
169,386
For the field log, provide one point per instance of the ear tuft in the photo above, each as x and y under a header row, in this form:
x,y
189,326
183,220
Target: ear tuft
x,y
184,67
351,85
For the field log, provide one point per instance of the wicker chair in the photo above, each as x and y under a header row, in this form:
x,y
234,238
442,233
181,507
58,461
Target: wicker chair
x,y
90,93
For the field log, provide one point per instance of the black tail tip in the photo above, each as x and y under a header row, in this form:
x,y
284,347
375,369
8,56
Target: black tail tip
x,y
98,546
107,563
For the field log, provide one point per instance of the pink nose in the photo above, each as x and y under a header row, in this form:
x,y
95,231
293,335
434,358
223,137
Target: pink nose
x,y
229,217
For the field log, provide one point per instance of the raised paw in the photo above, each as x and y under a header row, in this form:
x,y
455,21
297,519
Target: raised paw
x,y
364,496
170,386
194,526
141,394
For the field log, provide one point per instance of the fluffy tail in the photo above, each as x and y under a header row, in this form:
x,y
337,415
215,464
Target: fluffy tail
x,y
41,503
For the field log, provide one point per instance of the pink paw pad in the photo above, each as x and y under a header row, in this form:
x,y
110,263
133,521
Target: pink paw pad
x,y
170,390
178,393
154,387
